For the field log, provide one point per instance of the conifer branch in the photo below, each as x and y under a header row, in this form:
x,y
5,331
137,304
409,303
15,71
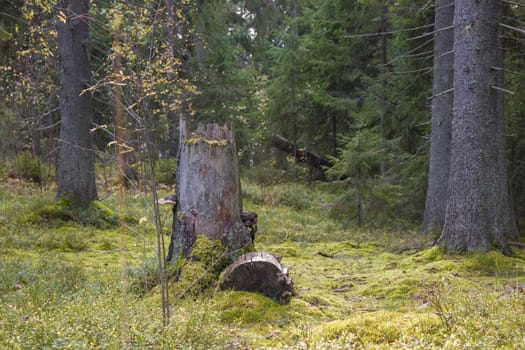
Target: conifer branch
x,y
514,19
431,33
426,70
427,54
506,26
444,6
513,2
409,51
446,53
508,71
390,32
503,90
441,93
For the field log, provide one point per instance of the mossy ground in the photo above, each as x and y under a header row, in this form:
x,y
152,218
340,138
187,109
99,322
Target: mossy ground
x,y
61,284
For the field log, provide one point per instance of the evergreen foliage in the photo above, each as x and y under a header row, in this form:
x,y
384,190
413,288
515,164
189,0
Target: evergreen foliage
x,y
320,73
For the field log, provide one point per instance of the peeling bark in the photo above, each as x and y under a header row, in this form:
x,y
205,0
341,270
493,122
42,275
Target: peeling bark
x,y
208,192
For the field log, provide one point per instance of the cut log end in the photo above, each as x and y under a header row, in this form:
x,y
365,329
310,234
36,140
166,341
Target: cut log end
x,y
259,272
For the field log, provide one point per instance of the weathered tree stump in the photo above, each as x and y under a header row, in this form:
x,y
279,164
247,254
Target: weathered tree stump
x,y
259,272
208,192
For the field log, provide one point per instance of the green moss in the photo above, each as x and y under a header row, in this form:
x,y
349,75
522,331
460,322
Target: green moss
x,y
431,254
315,299
285,251
443,266
194,279
493,263
210,253
106,245
46,212
365,296
201,271
372,330
247,249
95,214
248,308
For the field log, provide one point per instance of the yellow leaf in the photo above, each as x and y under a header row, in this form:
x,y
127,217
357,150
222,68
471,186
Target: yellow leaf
x,y
62,17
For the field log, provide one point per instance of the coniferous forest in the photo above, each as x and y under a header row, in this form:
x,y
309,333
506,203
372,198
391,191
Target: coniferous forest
x,y
361,161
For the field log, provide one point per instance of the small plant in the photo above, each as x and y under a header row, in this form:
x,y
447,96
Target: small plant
x,y
442,305
143,278
28,167
165,170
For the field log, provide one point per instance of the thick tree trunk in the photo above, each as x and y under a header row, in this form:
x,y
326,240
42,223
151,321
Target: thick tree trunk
x,y
76,177
442,102
208,192
478,213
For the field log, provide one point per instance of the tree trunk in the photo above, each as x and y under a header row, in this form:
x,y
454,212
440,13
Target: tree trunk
x,y
384,85
76,177
442,102
208,191
478,213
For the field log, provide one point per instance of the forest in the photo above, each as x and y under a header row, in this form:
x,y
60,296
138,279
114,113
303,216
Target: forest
x,y
262,174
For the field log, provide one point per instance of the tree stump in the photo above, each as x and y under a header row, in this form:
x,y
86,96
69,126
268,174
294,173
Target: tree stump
x,y
259,272
208,192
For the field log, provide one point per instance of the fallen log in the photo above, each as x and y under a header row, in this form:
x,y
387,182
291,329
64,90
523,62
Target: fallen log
x,y
259,272
301,154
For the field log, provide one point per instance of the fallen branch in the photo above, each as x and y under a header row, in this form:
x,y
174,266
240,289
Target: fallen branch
x,y
326,255
301,154
517,244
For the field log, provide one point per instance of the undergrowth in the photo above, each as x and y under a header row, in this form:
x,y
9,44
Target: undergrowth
x,y
62,282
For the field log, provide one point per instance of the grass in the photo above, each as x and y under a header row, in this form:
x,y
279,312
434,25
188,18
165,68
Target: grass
x,y
61,283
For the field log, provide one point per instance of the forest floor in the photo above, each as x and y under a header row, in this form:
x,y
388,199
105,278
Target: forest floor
x,y
66,285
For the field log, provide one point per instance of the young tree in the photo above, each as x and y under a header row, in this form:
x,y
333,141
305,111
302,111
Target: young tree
x,y
478,213
76,177
442,101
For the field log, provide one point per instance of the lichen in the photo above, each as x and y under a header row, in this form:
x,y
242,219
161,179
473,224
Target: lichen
x,y
196,140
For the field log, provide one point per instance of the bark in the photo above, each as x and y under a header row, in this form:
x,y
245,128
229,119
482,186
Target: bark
x,y
208,192
76,177
442,103
259,272
478,214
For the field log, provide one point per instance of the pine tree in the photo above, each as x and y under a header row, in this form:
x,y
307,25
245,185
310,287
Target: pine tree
x,y
76,177
478,209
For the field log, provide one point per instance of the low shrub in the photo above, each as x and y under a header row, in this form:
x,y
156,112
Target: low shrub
x,y
165,170
28,167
